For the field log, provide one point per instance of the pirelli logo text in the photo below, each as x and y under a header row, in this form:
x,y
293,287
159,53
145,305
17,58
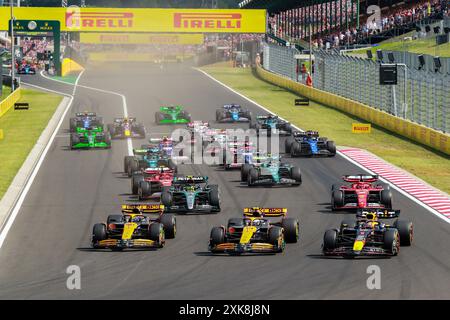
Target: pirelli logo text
x,y
224,21
107,20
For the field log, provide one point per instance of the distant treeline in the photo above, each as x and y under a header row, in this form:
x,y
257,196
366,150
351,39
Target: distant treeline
x,y
134,3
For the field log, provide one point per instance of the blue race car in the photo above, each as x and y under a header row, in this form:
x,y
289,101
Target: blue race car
x,y
309,143
233,113
26,69
273,124
85,120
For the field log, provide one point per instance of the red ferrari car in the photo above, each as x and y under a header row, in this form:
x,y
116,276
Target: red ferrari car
x,y
362,191
153,181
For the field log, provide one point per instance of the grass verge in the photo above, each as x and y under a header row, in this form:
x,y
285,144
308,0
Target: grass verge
x,y
21,130
6,91
421,161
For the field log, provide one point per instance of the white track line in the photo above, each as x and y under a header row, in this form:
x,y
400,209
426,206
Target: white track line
x,y
124,102
18,204
423,205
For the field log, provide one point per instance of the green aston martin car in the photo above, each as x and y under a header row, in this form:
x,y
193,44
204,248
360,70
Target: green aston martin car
x,y
172,115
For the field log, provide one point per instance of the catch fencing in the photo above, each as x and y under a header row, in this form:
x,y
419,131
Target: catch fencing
x,y
421,96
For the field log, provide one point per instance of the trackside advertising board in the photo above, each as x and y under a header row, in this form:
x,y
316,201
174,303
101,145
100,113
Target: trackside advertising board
x,y
361,128
142,38
144,20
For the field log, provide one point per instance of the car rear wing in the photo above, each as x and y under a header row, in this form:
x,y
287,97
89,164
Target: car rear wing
x,y
156,140
158,170
379,213
121,119
85,114
169,108
360,178
190,179
231,106
268,212
143,208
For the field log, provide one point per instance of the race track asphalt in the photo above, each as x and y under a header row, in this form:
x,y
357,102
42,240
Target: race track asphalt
x,y
75,189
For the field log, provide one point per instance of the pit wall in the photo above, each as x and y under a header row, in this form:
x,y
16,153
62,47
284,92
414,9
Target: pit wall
x,y
421,134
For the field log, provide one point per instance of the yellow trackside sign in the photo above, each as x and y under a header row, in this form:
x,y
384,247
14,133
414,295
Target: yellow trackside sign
x,y
142,38
361,128
144,20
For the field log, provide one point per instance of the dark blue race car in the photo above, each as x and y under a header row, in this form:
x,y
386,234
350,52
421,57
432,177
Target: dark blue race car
x,y
272,124
309,143
233,113
85,120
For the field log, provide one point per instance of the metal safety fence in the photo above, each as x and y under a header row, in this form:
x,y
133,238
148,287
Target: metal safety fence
x,y
420,95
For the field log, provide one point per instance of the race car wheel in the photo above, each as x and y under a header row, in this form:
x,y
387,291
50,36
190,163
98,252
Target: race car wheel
x,y
330,240
391,241
159,117
126,163
296,175
114,218
170,225
134,166
276,238
166,199
144,190
135,180
296,149
74,139
217,236
248,115
348,224
111,129
253,175
331,147
337,199
288,144
108,139
386,198
406,232
140,130
156,233
288,128
73,124
245,169
291,230
99,232
214,198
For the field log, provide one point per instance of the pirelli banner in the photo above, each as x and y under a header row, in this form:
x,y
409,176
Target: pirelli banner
x,y
142,38
144,20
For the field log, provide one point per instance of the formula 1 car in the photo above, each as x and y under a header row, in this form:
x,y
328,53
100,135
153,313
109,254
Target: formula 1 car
x,y
272,172
85,120
233,113
238,153
138,154
150,181
26,69
256,232
308,144
134,228
90,138
126,128
368,236
150,160
191,194
272,124
172,115
361,193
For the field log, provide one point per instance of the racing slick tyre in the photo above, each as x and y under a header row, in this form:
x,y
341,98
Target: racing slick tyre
x,y
73,124
330,240
331,147
288,128
140,130
296,174
405,231
108,140
337,199
156,233
291,230
111,130
253,176
245,169
296,149
288,144
159,117
217,236
126,163
74,139
391,242
185,115
214,198
144,190
99,232
276,238
170,225
134,166
166,199
114,218
248,115
386,198
135,181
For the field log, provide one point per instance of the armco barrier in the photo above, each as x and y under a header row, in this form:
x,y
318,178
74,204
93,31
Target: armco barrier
x,y
9,101
429,137
68,65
